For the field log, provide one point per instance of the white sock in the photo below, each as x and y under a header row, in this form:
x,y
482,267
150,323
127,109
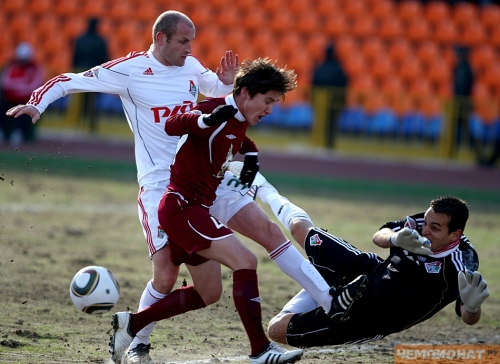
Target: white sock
x,y
149,296
294,265
284,210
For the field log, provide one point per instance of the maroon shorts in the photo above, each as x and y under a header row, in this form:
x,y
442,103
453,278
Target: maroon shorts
x,y
189,228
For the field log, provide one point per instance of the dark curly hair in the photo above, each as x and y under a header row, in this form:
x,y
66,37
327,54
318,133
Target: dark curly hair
x,y
455,208
263,75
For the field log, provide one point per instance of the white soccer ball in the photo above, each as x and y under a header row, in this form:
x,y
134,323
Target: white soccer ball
x,y
94,290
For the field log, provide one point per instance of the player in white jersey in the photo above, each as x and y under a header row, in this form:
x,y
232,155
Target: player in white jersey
x,y
153,85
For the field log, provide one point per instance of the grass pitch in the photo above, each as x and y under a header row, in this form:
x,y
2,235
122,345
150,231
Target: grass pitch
x,y
58,215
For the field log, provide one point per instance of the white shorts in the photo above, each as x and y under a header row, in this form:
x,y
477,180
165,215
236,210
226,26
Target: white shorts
x,y
231,197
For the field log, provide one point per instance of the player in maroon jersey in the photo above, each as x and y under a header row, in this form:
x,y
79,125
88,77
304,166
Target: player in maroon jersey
x,y
212,133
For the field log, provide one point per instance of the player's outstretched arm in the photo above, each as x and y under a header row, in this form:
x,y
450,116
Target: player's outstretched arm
x,y
473,292
229,65
19,110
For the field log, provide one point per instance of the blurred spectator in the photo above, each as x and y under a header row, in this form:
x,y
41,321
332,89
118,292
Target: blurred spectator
x,y
463,80
90,50
19,78
331,74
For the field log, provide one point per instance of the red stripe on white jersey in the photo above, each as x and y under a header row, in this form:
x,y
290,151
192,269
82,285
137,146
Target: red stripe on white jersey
x,y
145,224
114,62
37,94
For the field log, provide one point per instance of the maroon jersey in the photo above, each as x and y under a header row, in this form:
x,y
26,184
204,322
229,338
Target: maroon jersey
x,y
203,154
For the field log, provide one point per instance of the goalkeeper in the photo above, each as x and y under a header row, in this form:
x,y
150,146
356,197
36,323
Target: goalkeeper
x,y
430,264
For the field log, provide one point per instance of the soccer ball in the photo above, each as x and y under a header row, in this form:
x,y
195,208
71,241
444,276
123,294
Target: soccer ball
x,y
94,290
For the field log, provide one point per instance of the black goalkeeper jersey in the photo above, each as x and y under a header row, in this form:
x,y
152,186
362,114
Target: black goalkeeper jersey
x,y
408,288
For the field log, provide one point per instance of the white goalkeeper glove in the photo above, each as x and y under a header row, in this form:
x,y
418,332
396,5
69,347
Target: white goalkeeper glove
x,y
411,240
473,290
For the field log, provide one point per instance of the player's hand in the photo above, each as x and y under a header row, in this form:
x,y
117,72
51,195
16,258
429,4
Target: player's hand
x,y
220,114
250,168
19,110
411,240
229,65
473,290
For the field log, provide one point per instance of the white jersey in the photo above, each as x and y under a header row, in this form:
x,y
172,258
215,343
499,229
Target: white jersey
x,y
150,92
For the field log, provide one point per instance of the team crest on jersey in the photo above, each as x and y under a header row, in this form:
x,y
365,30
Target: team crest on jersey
x,y
433,267
88,74
315,240
192,88
410,223
161,233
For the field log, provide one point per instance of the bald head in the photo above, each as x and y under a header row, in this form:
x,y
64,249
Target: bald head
x,y
167,22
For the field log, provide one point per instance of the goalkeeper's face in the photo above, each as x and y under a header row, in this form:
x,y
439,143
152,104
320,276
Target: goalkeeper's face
x,y
435,229
175,51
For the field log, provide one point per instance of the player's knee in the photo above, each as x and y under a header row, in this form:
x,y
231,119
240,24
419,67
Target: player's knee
x,y
277,328
299,230
211,297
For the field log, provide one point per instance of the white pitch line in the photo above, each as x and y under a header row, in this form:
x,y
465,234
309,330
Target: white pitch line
x,y
308,352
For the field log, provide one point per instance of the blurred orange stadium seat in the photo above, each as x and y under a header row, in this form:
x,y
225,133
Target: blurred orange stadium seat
x,y
410,70
327,9
490,16
485,103
399,50
237,38
381,67
92,9
282,21
337,28
47,25
248,5
308,22
391,28
272,7
492,76
41,7
147,12
472,34
427,53
121,10
289,43
58,63
371,48
363,26
316,44
299,6
494,38
73,27
360,88
464,12
354,64
418,30
13,7
254,19
20,26
354,9
393,89
261,41
67,8
383,11
409,10
482,57
438,72
437,11
345,46
446,32
226,18
418,89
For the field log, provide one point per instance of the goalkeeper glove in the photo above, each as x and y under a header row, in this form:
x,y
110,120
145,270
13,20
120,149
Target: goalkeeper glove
x,y
249,170
220,114
411,240
473,290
